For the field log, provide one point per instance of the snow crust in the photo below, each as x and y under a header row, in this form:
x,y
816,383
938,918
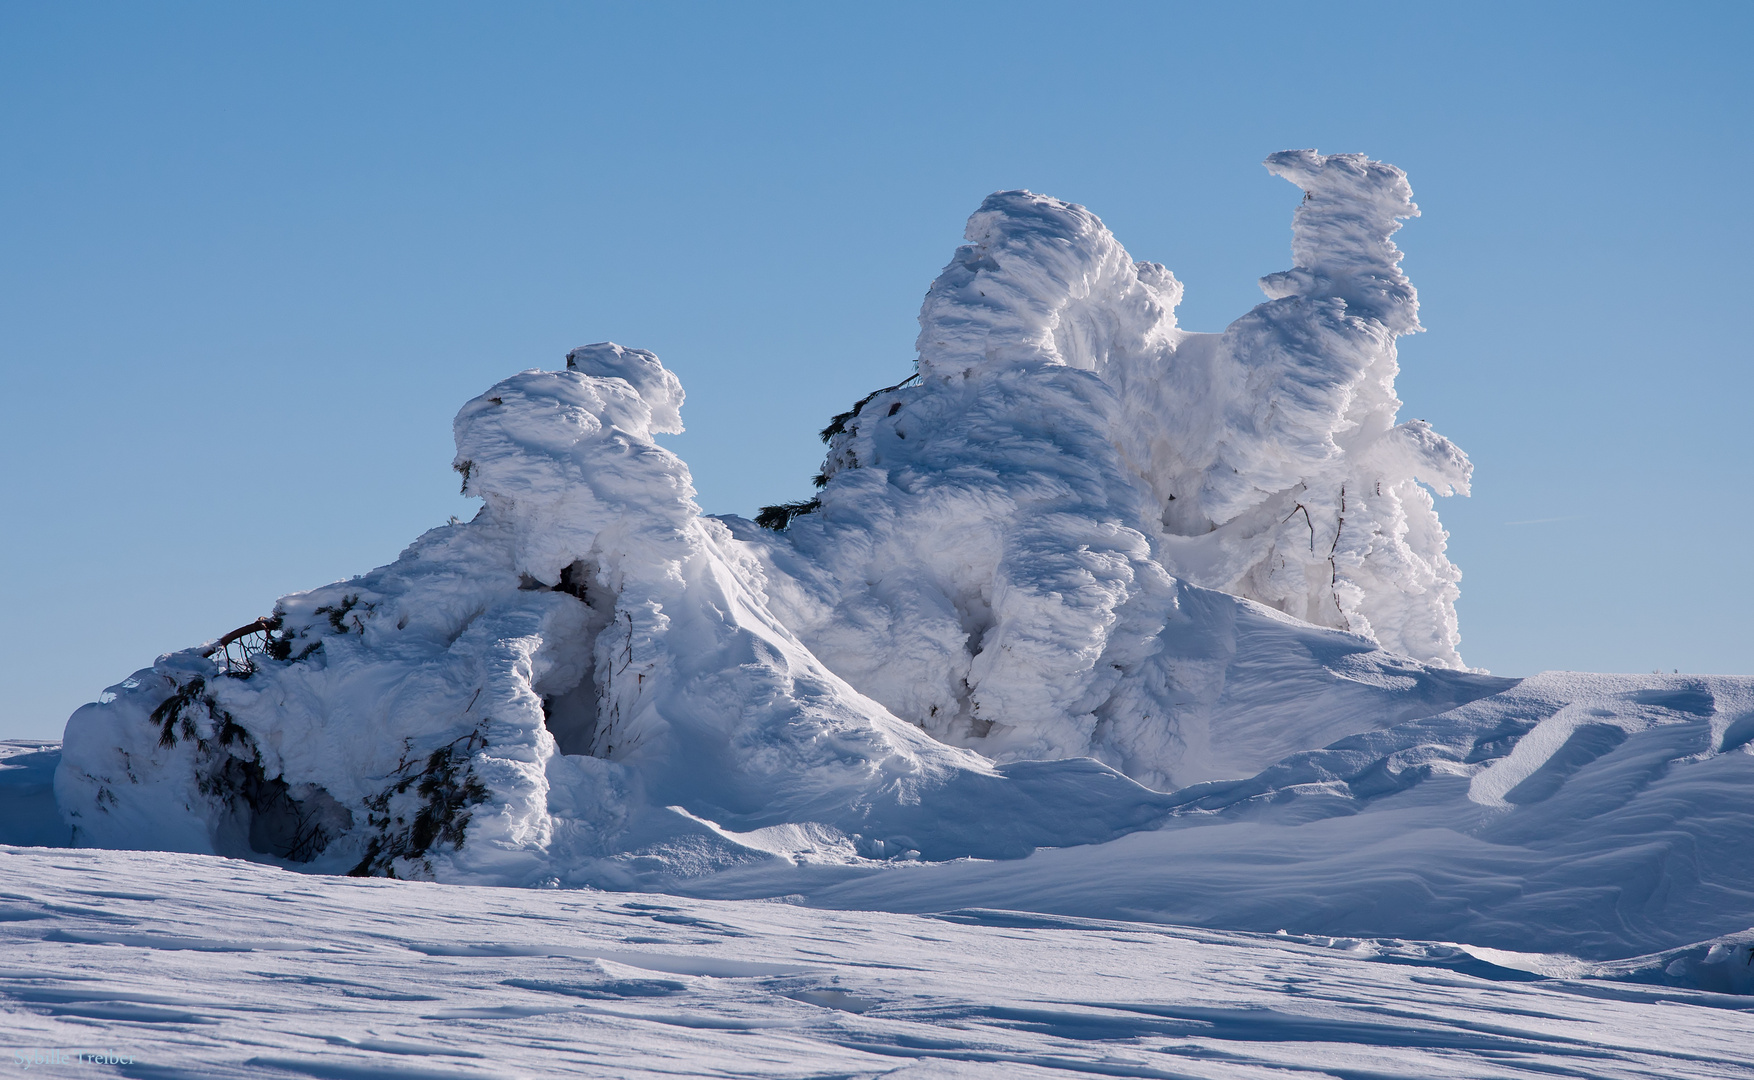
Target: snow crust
x,y
191,966
1095,616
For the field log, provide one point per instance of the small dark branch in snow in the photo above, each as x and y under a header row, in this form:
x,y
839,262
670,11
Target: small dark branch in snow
x,y
446,788
170,710
627,649
338,613
1333,567
839,423
263,625
237,651
279,641
779,516
1306,521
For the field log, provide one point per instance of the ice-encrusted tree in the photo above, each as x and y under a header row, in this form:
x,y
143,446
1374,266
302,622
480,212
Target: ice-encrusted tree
x,y
997,547
1017,551
1272,452
1284,474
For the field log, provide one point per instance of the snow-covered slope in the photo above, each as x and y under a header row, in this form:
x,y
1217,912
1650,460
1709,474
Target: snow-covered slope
x,y
1594,815
1095,616
28,814
189,966
1598,816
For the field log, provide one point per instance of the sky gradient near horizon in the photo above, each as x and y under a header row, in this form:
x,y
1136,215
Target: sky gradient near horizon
x,y
255,257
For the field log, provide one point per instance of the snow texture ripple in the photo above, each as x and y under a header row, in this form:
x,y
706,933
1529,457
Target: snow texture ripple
x,y
194,967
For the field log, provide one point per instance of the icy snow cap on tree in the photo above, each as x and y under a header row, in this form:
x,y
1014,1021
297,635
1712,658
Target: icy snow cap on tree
x,y
566,459
1044,280
658,387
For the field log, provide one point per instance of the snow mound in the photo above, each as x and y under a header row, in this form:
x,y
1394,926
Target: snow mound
x,y
1061,590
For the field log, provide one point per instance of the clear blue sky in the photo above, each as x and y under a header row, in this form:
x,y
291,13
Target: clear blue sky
x,y
255,256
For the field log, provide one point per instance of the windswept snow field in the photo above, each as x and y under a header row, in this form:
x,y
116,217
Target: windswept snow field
x,y
193,966
1097,630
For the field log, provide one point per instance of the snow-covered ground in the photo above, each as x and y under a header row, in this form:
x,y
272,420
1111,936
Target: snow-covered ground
x,y
194,966
1095,619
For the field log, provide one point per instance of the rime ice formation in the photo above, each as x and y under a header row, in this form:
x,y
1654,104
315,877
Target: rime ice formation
x,y
586,668
997,545
1069,588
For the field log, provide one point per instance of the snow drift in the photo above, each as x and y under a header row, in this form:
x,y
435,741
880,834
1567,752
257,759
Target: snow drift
x,y
1062,589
